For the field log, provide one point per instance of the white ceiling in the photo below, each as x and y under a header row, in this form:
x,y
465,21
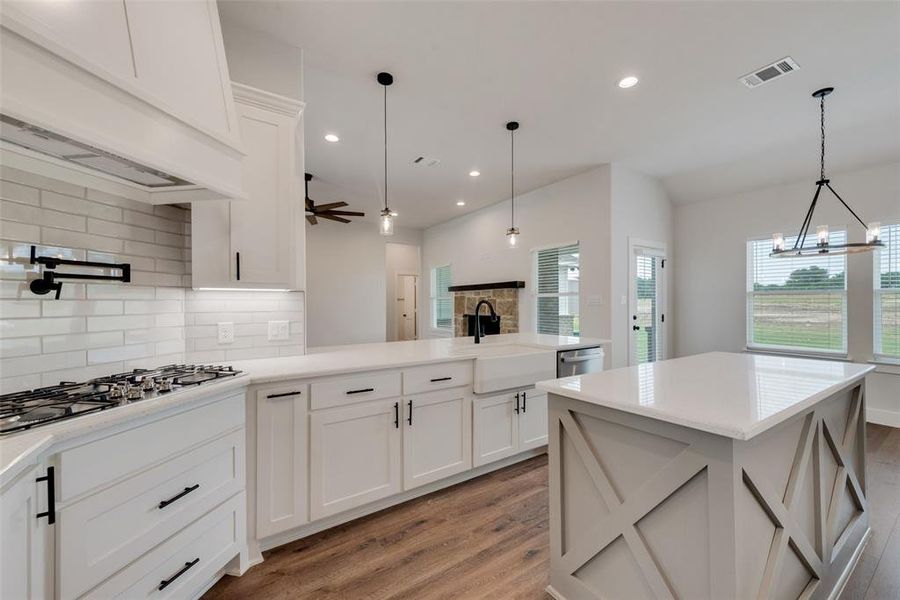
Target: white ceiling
x,y
462,69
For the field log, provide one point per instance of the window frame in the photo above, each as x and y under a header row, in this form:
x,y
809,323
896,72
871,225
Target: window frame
x,y
750,294
877,293
434,296
537,294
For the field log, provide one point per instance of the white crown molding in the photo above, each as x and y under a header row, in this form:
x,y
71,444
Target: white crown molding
x,y
262,99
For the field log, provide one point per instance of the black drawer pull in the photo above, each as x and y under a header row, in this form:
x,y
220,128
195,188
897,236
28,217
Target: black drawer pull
x,y
50,513
165,582
360,391
436,379
237,265
282,395
517,403
409,417
524,396
179,496
396,415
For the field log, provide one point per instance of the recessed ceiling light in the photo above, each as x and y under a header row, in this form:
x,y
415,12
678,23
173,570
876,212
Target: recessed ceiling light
x,y
474,173
461,203
627,82
330,137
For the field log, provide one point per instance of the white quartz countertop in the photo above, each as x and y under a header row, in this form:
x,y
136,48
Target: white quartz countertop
x,y
734,395
333,360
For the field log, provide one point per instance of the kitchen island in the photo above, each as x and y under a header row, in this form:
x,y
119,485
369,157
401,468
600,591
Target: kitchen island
x,y
717,475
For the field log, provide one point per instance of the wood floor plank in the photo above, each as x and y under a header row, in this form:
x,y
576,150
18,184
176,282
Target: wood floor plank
x,y
487,539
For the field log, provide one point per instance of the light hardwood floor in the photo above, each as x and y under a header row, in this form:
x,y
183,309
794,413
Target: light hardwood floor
x,y
487,538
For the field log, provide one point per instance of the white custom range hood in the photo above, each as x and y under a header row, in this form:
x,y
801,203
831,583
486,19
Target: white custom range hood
x,y
128,97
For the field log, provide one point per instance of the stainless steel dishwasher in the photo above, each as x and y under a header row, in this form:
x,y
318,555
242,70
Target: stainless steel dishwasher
x,y
579,362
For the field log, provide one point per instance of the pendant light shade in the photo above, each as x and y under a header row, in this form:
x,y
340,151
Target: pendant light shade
x,y
386,224
823,246
512,233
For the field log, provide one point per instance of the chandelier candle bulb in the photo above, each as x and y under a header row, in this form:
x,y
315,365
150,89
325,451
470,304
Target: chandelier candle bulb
x,y
778,242
822,234
873,233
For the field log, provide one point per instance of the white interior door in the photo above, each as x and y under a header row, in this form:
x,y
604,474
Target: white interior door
x,y
406,307
646,302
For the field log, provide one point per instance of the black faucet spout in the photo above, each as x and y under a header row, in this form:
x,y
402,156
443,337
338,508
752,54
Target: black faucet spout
x,y
478,332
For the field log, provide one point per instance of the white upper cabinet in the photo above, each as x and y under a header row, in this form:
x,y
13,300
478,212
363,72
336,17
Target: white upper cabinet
x,y
259,243
135,81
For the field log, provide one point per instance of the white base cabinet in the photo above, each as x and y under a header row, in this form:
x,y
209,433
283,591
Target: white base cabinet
x,y
507,424
437,436
25,557
355,455
281,459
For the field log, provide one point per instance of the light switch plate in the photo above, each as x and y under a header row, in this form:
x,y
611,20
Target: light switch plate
x,y
279,331
226,332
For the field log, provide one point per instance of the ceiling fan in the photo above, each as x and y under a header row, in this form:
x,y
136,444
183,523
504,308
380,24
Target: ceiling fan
x,y
327,211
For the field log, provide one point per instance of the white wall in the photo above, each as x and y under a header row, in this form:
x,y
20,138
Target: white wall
x,y
260,61
710,275
574,209
640,209
400,259
345,279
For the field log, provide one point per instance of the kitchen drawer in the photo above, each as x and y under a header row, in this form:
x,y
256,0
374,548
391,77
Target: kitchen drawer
x,y
437,377
341,391
198,552
100,534
103,461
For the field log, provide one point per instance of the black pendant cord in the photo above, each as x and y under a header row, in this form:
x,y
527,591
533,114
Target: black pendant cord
x,y
512,177
822,129
385,152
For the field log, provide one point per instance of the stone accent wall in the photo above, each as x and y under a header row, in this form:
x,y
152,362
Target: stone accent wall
x,y
505,301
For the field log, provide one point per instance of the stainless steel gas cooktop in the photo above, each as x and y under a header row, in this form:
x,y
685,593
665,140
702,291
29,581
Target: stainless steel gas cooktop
x,y
24,410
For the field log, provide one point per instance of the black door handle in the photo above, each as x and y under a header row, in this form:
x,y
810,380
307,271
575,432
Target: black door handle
x,y
409,416
635,327
363,391
50,513
524,398
517,403
237,265
165,582
283,395
179,495
436,379
396,415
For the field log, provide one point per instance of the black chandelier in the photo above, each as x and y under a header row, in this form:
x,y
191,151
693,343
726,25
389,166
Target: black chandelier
x,y
873,231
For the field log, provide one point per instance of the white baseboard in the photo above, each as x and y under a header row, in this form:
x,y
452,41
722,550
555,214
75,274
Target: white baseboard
x,y
891,418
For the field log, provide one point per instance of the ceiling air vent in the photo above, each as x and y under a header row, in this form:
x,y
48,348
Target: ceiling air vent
x,y
770,72
426,161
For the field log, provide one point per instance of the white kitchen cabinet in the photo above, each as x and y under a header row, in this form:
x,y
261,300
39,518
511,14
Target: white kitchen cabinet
x,y
281,459
259,243
532,420
25,557
509,423
355,456
496,428
437,436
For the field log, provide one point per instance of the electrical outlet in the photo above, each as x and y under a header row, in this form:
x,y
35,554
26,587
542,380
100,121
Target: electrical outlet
x,y
226,333
279,330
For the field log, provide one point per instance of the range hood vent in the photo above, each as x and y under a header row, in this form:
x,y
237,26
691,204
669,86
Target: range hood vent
x,y
60,147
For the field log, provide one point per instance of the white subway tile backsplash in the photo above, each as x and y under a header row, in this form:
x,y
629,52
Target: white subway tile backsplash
x,y
79,206
19,193
98,291
74,239
9,385
82,341
68,308
120,230
121,322
20,232
11,367
10,328
105,198
152,222
129,352
20,347
138,307
9,174
14,309
81,373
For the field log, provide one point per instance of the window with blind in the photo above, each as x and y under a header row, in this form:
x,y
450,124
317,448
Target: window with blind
x,y
887,295
797,303
557,273
441,300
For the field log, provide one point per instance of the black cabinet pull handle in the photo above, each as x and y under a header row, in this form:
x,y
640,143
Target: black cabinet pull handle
x,y
517,403
436,379
179,496
635,327
237,265
282,395
50,513
524,397
360,391
409,417
396,415
165,582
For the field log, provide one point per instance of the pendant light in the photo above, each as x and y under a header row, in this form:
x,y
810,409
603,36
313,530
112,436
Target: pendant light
x,y
386,226
512,234
873,231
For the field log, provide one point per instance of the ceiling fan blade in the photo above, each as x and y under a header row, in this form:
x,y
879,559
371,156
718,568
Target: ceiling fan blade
x,y
310,205
338,219
344,213
312,219
330,205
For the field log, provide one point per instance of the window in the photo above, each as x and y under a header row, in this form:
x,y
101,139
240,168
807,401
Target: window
x,y
887,295
557,274
441,300
796,303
